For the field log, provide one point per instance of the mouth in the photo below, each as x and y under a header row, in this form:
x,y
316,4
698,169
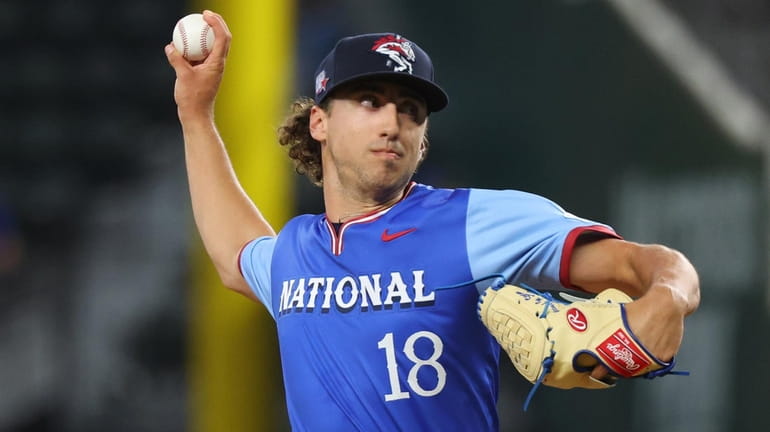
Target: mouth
x,y
387,153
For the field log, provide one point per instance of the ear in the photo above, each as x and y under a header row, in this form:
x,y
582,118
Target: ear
x,y
317,124
423,149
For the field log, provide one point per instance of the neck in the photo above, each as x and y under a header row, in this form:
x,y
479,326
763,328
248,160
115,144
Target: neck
x,y
343,205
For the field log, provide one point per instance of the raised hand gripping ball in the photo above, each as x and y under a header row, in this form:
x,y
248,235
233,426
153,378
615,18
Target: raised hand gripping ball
x,y
193,37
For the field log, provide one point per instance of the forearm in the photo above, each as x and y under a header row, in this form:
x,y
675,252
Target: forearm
x,y
225,216
670,288
638,270
665,273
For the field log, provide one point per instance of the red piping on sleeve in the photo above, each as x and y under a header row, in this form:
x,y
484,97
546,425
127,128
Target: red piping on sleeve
x,y
240,270
569,245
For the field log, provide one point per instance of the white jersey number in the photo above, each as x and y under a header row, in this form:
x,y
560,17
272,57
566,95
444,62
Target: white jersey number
x,y
396,393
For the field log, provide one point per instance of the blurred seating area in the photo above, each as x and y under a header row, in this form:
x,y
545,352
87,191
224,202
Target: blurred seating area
x,y
90,165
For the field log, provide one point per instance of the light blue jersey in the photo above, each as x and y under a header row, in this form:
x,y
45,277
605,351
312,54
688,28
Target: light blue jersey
x,y
369,339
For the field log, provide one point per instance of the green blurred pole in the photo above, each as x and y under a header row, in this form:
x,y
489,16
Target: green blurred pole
x,y
234,373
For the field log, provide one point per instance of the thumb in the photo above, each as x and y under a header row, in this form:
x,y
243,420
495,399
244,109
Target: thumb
x,y
175,58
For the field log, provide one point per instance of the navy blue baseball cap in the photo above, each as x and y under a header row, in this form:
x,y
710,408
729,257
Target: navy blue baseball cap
x,y
380,56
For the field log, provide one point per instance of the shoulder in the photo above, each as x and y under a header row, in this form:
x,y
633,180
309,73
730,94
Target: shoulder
x,y
302,228
432,196
302,221
512,201
508,195
484,201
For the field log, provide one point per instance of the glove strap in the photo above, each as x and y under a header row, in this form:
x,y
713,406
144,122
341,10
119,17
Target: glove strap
x,y
547,365
668,370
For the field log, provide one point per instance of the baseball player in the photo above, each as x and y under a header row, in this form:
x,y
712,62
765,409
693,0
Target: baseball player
x,y
375,300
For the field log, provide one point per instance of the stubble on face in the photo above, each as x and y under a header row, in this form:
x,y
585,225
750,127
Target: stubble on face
x,y
364,159
369,174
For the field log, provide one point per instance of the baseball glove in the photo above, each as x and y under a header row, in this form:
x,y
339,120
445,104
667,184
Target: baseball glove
x,y
558,343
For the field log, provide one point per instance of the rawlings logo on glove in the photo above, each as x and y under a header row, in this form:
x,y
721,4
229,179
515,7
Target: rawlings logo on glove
x,y
558,343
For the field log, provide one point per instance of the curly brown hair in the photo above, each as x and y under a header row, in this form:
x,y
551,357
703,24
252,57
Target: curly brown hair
x,y
294,134
303,149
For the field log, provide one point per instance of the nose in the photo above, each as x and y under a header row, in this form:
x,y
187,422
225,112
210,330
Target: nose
x,y
389,121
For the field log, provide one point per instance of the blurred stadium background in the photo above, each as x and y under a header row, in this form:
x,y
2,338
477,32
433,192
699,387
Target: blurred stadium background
x,y
650,115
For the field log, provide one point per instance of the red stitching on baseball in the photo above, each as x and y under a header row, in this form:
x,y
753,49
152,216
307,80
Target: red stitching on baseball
x,y
204,46
183,34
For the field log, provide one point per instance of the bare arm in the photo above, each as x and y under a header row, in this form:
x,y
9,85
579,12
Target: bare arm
x,y
225,216
664,281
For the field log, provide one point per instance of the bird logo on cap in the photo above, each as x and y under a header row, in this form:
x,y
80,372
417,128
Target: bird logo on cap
x,y
399,51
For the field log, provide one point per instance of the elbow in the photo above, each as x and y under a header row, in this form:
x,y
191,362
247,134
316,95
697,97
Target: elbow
x,y
233,280
694,298
230,281
683,277
691,282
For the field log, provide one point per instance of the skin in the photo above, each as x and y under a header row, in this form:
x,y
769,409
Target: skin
x,y
371,144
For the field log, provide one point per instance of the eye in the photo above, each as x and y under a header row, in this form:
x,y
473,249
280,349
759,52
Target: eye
x,y
410,108
368,100
413,109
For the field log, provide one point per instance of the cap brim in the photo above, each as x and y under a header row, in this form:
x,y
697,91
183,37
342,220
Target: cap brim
x,y
435,97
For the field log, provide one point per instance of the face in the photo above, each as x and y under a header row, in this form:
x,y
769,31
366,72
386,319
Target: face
x,y
371,137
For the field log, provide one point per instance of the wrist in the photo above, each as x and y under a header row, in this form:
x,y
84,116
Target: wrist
x,y
195,114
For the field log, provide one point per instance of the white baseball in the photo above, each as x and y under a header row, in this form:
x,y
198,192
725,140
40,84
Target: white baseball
x,y
193,37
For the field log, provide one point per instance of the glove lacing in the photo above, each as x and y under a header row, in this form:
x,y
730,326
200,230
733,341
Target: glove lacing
x,y
548,361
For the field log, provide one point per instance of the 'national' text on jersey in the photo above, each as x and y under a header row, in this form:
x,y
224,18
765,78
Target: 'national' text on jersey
x,y
350,292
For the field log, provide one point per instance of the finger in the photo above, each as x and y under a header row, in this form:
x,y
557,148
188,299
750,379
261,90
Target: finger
x,y
599,372
222,35
208,14
175,58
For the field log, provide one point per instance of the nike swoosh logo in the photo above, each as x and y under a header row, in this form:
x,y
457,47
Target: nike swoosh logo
x,y
388,237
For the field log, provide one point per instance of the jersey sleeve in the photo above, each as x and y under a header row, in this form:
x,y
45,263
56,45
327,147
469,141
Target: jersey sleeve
x,y
527,238
255,262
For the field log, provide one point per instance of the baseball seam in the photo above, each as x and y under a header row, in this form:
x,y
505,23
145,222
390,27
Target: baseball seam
x,y
183,34
204,45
